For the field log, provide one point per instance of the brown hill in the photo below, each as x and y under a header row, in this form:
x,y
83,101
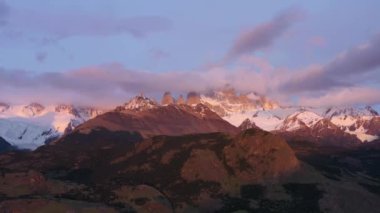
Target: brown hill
x,y
151,119
105,171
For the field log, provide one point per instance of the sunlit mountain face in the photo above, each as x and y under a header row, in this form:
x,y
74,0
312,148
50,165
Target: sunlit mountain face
x,y
168,106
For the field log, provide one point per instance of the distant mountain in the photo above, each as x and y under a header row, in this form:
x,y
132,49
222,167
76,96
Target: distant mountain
x,y
361,122
322,124
30,126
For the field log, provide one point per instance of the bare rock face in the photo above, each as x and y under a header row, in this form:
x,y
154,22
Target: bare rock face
x,y
251,157
196,168
257,155
180,100
167,99
193,98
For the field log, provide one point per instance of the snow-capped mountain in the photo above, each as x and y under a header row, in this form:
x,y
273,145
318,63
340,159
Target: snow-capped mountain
x,y
298,120
261,112
30,126
235,107
363,123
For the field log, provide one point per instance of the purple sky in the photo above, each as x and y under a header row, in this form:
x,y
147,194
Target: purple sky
x,y
298,52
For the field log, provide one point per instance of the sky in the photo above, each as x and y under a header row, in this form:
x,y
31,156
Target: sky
x,y
315,53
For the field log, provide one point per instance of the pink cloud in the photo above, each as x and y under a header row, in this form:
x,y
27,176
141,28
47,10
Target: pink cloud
x,y
263,35
335,83
113,84
343,71
344,97
260,63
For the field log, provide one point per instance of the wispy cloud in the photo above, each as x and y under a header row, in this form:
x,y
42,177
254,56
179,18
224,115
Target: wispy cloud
x,y
264,35
54,26
341,81
345,97
114,84
345,70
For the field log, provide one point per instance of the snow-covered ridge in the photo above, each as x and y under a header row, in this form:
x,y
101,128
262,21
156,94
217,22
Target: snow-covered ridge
x,y
350,112
30,126
298,120
356,121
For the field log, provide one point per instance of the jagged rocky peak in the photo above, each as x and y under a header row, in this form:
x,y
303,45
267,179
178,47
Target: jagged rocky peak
x,y
33,109
140,103
193,98
180,100
167,99
228,93
4,107
253,146
249,99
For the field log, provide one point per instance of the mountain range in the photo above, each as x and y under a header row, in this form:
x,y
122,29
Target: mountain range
x,y
32,125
